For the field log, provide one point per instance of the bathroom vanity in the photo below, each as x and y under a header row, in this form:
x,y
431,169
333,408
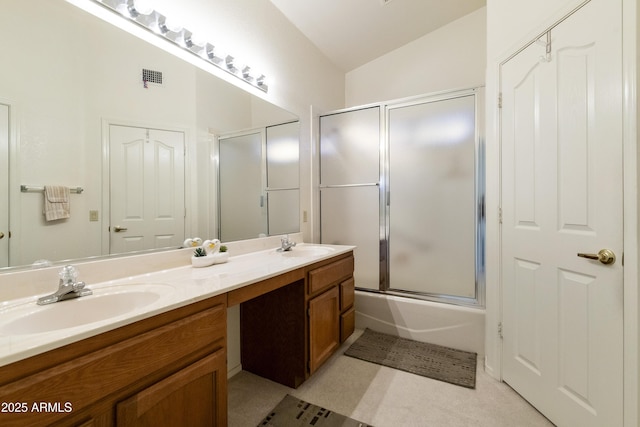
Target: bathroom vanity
x,y
168,366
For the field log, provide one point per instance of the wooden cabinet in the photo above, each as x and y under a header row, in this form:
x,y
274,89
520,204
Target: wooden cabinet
x,y
347,309
171,369
151,365
289,330
324,327
194,396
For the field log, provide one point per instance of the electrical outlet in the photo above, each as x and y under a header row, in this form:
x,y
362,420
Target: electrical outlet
x,y
93,216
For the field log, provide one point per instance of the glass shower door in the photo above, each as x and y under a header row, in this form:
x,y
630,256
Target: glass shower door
x,y
432,205
350,188
242,206
283,188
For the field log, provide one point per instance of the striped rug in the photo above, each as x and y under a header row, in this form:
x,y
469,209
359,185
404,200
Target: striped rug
x,y
294,412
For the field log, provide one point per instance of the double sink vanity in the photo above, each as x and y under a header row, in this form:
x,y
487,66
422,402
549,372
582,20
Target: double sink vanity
x,y
151,348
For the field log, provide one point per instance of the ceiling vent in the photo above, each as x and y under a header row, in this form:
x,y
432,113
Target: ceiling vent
x,y
151,76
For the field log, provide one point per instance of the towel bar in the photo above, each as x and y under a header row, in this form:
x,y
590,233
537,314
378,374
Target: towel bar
x,y
31,189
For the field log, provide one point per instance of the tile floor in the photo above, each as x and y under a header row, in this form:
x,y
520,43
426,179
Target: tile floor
x,y
386,397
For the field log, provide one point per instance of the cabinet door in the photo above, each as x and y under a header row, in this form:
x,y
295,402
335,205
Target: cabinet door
x,y
324,327
194,396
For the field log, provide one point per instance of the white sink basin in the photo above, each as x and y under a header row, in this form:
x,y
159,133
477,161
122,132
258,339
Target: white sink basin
x,y
106,303
307,251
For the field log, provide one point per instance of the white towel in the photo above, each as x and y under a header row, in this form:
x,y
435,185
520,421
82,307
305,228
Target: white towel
x,y
56,202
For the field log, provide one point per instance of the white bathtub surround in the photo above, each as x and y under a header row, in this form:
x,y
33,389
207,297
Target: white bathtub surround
x,y
437,323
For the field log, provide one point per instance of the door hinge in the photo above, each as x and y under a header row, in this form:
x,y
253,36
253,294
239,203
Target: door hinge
x,y
500,215
500,330
500,100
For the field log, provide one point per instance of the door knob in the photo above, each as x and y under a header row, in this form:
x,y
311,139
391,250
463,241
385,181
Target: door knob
x,y
605,256
118,229
1,234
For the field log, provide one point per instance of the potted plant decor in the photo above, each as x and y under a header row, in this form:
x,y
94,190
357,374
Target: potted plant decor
x,y
222,255
200,258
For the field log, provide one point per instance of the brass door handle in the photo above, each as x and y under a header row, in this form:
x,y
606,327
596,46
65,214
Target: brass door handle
x,y
605,256
1,234
118,229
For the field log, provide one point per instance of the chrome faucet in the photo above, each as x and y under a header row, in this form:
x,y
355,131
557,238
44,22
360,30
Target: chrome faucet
x,y
286,244
68,287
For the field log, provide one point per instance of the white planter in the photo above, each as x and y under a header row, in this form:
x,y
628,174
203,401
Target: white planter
x,y
202,261
220,257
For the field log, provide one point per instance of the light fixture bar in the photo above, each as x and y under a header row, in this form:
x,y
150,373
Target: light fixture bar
x,y
138,12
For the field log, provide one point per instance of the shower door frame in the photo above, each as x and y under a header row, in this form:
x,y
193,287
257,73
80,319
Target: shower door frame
x,y
479,300
383,187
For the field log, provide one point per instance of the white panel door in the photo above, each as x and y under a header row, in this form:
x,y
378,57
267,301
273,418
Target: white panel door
x,y
4,185
146,188
562,195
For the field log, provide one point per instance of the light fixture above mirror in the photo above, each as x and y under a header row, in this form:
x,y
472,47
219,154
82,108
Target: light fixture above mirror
x,y
142,13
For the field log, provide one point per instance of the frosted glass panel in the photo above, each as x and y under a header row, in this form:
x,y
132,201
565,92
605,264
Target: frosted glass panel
x,y
350,147
432,212
282,156
284,212
350,216
242,209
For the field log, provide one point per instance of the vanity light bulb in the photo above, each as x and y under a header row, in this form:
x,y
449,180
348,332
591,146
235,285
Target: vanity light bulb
x,y
198,40
144,7
172,25
127,10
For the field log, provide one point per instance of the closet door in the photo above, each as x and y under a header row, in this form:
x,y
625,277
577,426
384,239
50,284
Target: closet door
x,y
562,197
146,188
350,189
4,185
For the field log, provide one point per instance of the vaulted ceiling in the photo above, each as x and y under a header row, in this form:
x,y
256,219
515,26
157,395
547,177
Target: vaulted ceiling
x,y
354,32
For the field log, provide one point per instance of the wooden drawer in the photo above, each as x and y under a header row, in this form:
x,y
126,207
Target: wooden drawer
x,y
330,274
347,324
347,294
88,379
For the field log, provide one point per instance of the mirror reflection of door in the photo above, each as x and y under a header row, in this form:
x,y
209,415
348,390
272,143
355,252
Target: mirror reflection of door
x,y
147,206
242,203
4,185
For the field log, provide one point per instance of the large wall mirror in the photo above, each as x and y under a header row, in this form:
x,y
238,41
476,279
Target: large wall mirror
x,y
84,104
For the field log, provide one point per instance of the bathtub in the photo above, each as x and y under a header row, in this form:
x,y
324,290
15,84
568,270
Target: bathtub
x,y
437,323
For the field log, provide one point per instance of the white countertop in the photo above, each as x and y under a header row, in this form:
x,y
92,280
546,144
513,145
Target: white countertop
x,y
185,285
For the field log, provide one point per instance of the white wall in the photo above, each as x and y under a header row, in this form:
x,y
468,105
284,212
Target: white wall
x,y
452,57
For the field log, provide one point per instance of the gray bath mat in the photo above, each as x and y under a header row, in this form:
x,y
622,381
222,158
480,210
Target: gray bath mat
x,y
429,360
293,412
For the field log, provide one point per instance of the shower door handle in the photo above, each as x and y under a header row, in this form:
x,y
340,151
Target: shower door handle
x,y
605,256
